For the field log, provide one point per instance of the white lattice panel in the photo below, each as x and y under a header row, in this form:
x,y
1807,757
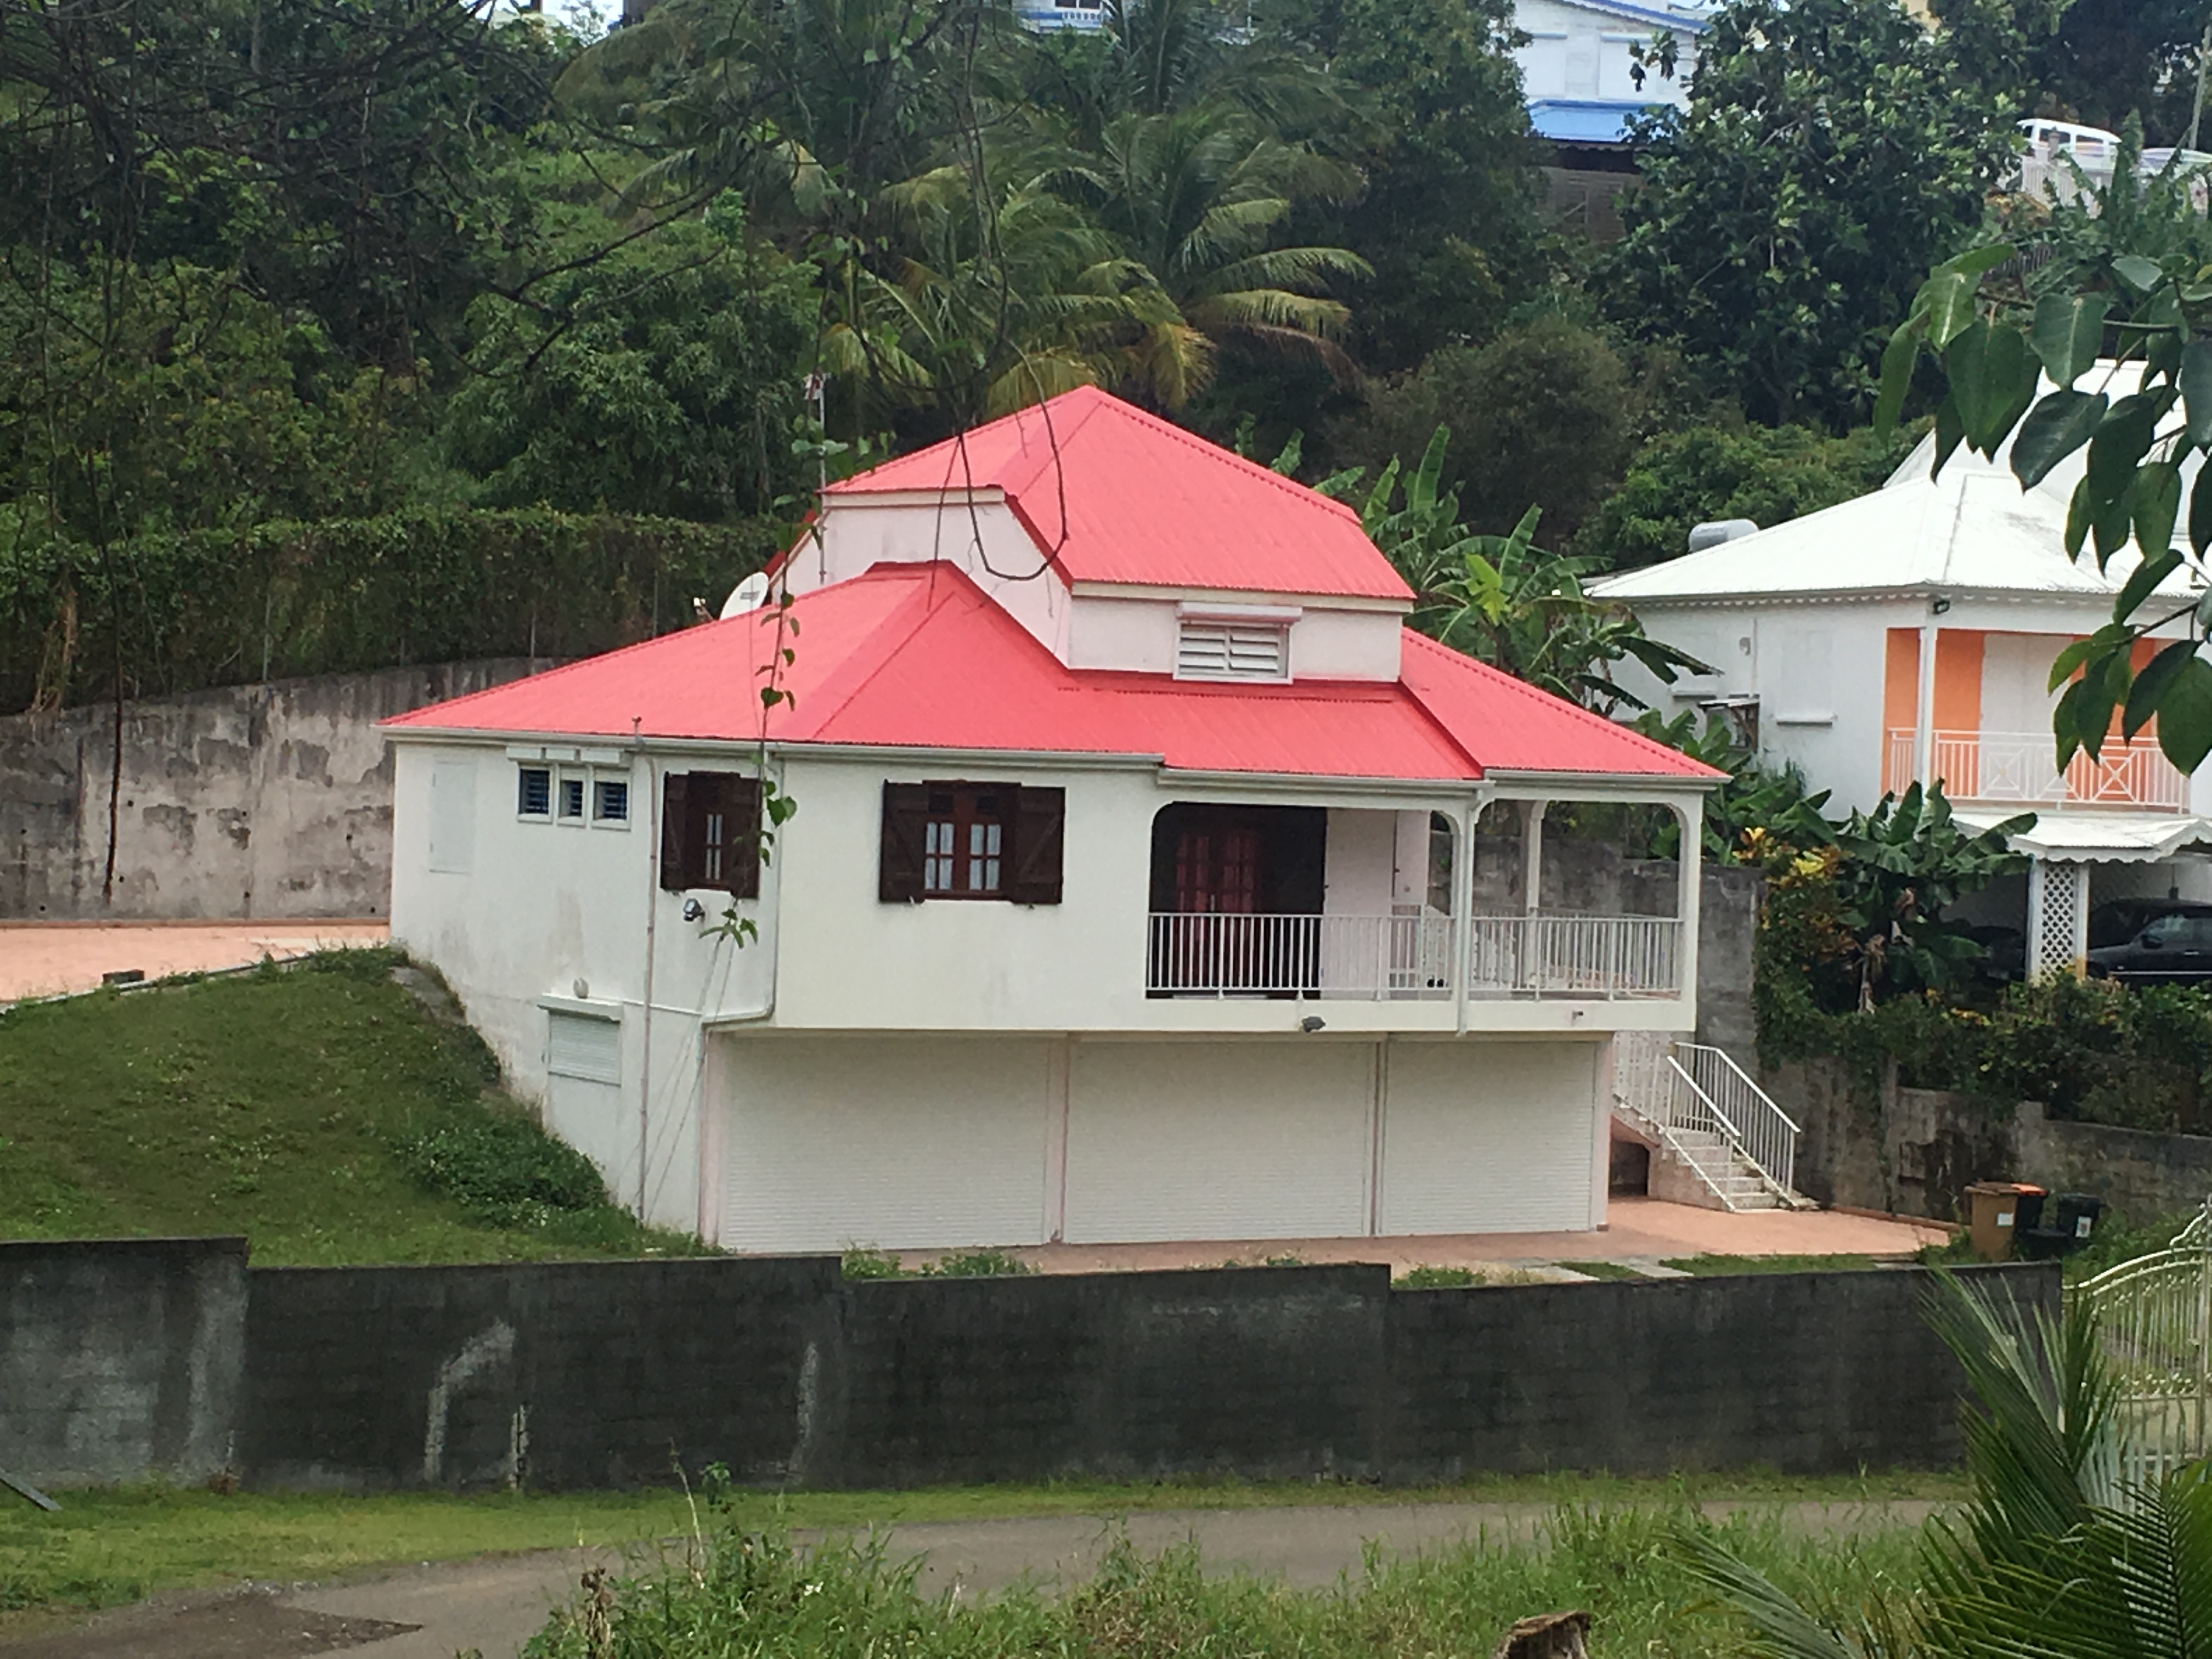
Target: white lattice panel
x,y
2058,918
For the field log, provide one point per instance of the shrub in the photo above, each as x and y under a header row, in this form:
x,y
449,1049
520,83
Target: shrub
x,y
504,1169
978,1264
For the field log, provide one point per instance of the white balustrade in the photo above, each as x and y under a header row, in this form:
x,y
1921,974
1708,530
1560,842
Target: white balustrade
x,y
2023,766
1377,957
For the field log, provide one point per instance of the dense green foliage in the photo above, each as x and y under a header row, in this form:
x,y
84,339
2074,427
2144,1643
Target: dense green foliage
x,y
1833,150
213,607
1766,474
318,1109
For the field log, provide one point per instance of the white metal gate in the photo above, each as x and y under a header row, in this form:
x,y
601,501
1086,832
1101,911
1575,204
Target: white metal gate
x,y
2154,1324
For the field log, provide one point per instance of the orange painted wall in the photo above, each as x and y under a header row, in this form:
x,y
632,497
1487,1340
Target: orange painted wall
x,y
1958,679
1900,695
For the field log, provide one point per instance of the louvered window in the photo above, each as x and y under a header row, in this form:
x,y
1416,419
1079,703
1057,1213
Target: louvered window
x,y
1233,650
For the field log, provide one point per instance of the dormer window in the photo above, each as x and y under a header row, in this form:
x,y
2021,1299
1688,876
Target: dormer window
x,y
1233,641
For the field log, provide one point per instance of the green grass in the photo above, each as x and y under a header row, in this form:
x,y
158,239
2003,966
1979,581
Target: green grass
x,y
753,1594
318,1109
1601,1269
1714,1267
113,1545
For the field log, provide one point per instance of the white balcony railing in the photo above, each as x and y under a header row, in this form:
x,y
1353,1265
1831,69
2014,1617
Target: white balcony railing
x,y
2020,766
1381,958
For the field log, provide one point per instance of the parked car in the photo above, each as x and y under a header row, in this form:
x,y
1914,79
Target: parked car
x,y
2117,921
2171,947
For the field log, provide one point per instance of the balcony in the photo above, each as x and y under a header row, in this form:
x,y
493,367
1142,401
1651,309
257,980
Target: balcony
x,y
2016,768
1411,957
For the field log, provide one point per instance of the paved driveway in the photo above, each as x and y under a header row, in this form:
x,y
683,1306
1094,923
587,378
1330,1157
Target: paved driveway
x,y
54,958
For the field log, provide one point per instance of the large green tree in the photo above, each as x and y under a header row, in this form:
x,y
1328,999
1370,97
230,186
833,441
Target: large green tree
x,y
1450,217
1833,150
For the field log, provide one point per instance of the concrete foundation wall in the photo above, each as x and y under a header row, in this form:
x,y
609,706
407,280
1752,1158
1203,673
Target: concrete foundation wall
x,y
598,1374
120,1360
260,801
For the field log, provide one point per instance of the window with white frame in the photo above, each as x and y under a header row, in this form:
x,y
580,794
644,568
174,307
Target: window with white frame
x,y
570,796
1218,650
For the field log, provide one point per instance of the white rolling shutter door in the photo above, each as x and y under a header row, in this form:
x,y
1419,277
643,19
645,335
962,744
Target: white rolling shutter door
x,y
1197,1140
1494,1138
897,1143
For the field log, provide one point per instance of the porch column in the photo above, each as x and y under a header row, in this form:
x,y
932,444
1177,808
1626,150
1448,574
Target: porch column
x,y
2057,918
1532,857
1923,707
1689,894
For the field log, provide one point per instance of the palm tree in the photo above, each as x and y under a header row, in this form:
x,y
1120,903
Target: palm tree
x,y
1197,196
2056,1556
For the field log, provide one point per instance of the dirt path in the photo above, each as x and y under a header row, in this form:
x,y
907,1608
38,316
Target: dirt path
x,y
494,1604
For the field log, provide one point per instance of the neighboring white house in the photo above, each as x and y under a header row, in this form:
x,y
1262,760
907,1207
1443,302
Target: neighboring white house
x,y
1578,66
1144,883
1910,634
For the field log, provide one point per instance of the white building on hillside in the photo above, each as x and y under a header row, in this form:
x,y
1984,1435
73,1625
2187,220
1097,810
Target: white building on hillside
x,y
1149,880
1910,634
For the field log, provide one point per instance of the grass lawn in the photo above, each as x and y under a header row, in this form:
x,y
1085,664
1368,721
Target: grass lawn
x,y
118,1543
1715,1266
317,1109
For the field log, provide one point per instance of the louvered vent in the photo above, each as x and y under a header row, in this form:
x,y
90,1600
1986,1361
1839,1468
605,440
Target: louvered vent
x,y
1233,650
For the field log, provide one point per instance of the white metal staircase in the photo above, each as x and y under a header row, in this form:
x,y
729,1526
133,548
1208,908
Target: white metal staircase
x,y
1701,1112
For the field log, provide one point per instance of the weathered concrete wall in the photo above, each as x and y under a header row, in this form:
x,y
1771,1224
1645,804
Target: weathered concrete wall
x,y
250,801
1728,897
1914,1151
121,1359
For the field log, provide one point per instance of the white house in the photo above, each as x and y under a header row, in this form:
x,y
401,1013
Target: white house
x,y
1148,880
1578,65
1910,634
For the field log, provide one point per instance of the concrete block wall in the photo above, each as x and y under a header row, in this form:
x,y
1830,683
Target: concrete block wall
x,y
118,1362
569,1375
121,1360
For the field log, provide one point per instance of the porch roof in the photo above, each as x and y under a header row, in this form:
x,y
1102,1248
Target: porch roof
x,y
2063,835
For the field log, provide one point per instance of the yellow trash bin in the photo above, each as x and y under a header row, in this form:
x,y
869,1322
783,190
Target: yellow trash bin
x,y
1992,1207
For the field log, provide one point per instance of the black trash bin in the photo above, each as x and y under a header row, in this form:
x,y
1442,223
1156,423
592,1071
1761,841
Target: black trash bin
x,y
2063,1224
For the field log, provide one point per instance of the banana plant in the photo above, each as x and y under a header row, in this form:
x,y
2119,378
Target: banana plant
x,y
1503,599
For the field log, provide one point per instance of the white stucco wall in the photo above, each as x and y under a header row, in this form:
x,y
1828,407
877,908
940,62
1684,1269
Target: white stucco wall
x,y
984,538
1138,634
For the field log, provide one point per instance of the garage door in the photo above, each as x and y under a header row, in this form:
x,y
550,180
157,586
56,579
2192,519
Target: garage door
x,y
896,1143
1218,1141
1498,1138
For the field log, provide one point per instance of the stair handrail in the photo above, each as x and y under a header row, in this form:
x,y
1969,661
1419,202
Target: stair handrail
x,y
1784,1151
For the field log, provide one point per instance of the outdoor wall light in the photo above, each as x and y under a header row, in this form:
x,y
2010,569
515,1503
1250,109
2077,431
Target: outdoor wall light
x,y
694,911
1312,1023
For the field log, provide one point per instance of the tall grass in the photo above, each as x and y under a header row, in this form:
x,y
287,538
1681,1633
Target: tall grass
x,y
738,1594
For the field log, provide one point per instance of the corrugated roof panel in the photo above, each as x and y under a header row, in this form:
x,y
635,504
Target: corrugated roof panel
x,y
1121,496
916,656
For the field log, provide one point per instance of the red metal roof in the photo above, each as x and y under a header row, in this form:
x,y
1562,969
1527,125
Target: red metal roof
x,y
917,656
1134,500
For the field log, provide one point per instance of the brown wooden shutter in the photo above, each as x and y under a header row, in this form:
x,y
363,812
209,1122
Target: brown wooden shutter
x,y
677,835
741,802
1040,824
906,811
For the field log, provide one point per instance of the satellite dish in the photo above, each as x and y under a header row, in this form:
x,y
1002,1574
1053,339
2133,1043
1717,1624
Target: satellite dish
x,y
748,595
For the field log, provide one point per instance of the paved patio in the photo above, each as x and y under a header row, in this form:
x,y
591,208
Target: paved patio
x,y
55,959
1642,1230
